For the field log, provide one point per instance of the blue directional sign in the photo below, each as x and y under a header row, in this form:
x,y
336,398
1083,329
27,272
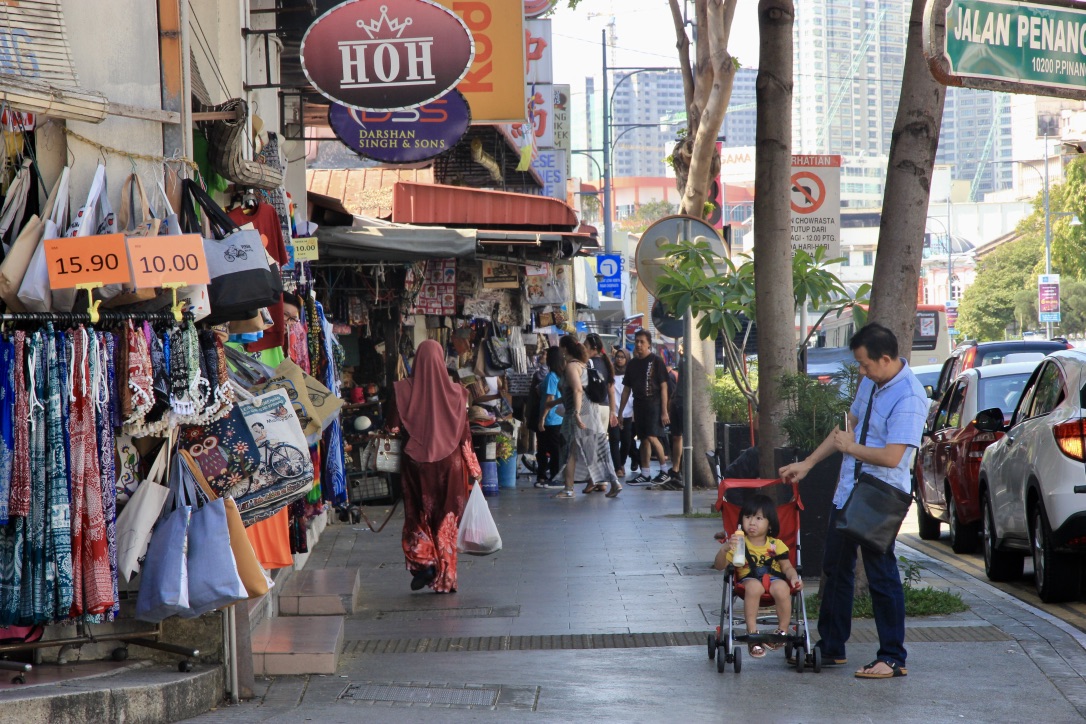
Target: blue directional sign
x,y
609,269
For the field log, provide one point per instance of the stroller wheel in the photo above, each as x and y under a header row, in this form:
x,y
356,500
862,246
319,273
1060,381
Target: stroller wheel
x,y
721,660
712,646
737,663
801,659
816,660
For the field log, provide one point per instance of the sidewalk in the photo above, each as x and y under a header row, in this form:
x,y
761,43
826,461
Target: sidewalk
x,y
597,609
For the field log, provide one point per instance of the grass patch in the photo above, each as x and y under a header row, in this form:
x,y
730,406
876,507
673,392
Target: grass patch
x,y
925,601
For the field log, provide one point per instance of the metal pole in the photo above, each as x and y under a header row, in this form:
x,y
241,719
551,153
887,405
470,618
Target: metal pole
x,y
688,402
949,250
607,227
1048,233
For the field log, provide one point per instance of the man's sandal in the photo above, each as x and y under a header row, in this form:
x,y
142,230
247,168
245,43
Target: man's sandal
x,y
869,672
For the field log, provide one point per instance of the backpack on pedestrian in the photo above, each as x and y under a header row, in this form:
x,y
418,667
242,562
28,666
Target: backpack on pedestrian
x,y
597,387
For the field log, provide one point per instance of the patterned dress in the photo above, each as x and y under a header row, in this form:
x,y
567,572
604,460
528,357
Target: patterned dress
x,y
589,447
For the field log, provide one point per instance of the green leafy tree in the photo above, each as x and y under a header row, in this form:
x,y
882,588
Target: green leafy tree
x,y
988,305
646,214
1072,307
1068,242
1025,310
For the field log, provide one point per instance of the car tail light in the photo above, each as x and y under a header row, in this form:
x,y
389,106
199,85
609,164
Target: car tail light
x,y
980,442
1071,438
968,357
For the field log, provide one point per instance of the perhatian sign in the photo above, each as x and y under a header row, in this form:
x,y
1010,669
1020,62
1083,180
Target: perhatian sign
x,y
386,55
816,204
1003,45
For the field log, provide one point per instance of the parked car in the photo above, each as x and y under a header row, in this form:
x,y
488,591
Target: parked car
x,y
928,376
948,461
979,354
1033,481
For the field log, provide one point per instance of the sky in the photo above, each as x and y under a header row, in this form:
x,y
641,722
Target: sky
x,y
645,36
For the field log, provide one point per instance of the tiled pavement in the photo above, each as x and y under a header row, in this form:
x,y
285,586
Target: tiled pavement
x,y
589,566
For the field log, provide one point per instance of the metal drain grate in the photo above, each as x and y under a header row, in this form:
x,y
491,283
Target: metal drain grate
x,y
526,643
446,613
407,694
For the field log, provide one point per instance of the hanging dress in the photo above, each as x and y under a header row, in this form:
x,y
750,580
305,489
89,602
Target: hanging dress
x,y
10,555
57,513
105,383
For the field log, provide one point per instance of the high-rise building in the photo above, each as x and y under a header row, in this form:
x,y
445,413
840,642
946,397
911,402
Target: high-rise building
x,y
976,134
654,100
742,116
848,59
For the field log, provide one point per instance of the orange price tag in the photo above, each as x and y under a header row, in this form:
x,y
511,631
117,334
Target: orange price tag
x,y
87,260
158,260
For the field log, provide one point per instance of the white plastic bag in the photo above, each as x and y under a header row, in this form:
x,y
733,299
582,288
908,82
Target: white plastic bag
x,y
478,534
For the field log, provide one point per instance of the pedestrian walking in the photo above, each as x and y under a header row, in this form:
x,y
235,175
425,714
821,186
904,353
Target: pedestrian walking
x,y
434,467
623,447
891,407
588,457
646,382
549,424
598,359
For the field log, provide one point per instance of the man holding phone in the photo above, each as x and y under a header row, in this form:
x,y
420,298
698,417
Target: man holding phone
x,y
891,406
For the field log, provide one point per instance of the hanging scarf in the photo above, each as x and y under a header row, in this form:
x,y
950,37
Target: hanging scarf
x,y
298,344
19,499
58,533
105,404
7,423
140,377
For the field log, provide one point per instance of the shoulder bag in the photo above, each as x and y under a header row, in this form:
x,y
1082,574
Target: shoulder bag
x,y
875,509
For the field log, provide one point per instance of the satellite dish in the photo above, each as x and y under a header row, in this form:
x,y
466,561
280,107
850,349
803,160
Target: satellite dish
x,y
666,324
649,259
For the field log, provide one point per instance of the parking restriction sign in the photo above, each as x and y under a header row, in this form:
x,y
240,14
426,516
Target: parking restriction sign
x,y
816,203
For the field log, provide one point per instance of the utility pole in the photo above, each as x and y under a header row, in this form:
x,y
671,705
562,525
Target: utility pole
x,y
607,226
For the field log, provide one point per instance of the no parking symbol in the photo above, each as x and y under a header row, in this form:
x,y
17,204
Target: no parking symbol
x,y
815,198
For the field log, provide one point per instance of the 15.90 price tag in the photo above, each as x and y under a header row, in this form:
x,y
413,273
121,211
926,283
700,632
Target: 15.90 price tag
x,y
87,260
158,260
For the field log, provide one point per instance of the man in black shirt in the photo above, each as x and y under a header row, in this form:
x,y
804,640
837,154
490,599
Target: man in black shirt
x,y
646,380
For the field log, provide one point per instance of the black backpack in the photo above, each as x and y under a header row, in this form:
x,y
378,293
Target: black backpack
x,y
597,387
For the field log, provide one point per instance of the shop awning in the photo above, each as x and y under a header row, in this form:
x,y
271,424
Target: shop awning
x,y
394,243
435,204
36,72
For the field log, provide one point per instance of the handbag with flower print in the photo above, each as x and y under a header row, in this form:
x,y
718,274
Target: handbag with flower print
x,y
224,450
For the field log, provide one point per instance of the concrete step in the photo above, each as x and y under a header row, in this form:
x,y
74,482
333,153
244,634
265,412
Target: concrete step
x,y
291,645
108,692
321,592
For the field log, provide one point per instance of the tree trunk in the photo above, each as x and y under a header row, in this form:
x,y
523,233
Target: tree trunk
x,y
908,183
704,432
774,302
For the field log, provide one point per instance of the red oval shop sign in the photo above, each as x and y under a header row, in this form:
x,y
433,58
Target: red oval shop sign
x,y
386,55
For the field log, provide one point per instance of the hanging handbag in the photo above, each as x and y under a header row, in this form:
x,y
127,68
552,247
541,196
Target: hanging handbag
x,y
35,294
95,217
17,260
224,451
164,579
242,278
875,509
135,219
251,572
498,354
213,575
11,214
387,454
139,515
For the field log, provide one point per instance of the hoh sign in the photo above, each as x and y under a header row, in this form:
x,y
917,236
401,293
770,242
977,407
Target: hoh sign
x,y
386,55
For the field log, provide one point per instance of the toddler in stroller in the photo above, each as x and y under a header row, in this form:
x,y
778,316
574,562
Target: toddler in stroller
x,y
766,569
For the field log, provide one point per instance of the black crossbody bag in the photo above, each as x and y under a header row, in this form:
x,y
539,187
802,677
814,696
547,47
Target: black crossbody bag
x,y
874,510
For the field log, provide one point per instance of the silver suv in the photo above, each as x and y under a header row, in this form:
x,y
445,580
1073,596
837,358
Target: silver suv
x,y
1033,481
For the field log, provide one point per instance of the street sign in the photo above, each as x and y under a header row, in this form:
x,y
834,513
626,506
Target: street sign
x,y
609,269
816,204
1048,298
1003,45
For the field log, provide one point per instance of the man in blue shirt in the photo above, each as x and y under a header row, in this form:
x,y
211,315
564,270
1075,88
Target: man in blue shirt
x,y
895,401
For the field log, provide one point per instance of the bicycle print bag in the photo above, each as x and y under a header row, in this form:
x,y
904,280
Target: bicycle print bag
x,y
285,470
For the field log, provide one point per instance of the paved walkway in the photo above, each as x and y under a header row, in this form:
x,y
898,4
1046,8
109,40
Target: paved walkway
x,y
597,609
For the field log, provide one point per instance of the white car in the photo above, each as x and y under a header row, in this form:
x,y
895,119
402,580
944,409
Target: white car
x,y
1033,481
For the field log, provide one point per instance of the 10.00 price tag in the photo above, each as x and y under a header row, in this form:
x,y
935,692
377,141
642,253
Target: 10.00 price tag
x,y
88,259
158,260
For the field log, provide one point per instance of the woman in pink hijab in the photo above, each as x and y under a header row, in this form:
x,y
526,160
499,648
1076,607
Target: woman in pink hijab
x,y
437,463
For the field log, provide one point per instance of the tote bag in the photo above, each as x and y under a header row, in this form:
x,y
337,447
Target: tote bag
x,y
224,452
11,214
34,293
138,517
285,472
135,219
213,575
13,268
95,217
164,580
242,278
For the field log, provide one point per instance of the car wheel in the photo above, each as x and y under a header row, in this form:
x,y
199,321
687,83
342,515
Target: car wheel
x,y
998,565
927,525
1056,575
963,536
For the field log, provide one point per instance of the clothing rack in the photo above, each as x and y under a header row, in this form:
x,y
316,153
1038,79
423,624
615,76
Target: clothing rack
x,y
86,318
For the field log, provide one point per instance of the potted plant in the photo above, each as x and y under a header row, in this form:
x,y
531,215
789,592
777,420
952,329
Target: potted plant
x,y
506,455
733,411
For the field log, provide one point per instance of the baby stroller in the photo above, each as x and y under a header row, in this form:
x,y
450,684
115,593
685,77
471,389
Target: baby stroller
x,y
725,643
